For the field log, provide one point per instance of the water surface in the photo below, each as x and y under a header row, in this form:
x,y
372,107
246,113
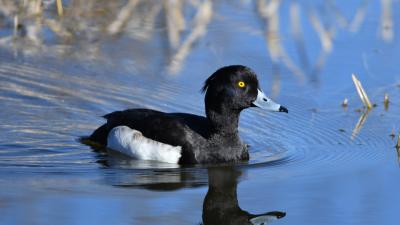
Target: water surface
x,y
320,164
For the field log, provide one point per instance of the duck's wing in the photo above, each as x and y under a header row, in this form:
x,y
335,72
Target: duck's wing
x,y
176,129
130,118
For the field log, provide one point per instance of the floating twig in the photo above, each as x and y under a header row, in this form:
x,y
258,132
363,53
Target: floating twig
x,y
59,7
360,90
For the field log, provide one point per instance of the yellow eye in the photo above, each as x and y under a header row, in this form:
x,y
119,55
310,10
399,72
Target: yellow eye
x,y
241,84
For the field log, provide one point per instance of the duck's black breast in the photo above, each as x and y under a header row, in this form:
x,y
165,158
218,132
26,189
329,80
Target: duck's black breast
x,y
178,129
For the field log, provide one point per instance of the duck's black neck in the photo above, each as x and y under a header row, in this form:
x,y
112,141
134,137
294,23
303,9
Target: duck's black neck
x,y
223,120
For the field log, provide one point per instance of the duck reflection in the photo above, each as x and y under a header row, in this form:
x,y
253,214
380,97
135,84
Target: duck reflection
x,y
221,204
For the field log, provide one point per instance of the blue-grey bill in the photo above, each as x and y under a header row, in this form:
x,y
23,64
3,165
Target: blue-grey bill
x,y
266,103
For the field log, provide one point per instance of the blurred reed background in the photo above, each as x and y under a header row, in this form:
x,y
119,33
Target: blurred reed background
x,y
58,26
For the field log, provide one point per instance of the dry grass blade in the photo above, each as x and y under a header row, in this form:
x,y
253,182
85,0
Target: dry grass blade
x,y
59,7
361,92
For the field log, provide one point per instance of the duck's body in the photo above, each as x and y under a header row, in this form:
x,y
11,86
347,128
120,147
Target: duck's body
x,y
209,139
194,134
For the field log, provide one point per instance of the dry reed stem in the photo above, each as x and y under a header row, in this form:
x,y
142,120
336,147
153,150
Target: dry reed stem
x,y
60,10
360,90
398,142
345,102
398,155
386,101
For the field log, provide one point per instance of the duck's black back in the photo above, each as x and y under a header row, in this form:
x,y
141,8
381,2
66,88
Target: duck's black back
x,y
178,129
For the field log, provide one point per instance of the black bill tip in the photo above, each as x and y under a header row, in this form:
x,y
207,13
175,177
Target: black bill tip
x,y
283,109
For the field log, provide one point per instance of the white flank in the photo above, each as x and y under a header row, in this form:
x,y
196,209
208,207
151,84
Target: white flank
x,y
132,143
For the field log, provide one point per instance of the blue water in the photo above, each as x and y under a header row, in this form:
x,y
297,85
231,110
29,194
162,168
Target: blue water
x,y
320,164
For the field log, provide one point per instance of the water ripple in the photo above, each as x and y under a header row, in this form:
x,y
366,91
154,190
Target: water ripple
x,y
52,110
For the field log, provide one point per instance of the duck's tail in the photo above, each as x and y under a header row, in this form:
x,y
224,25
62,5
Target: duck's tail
x,y
98,138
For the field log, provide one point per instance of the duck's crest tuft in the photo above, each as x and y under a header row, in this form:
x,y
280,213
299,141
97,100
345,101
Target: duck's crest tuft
x,y
224,70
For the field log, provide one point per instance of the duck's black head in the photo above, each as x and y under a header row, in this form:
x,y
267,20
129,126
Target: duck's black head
x,y
231,89
236,88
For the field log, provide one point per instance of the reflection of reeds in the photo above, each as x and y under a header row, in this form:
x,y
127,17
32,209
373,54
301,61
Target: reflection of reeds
x,y
15,26
175,21
88,20
201,20
398,148
124,15
269,11
361,92
392,134
297,32
387,21
359,16
359,124
325,36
